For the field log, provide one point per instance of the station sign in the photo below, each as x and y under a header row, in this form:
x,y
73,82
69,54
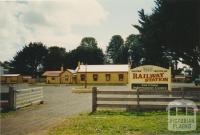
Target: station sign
x,y
150,77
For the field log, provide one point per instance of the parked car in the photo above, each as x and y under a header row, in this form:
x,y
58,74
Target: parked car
x,y
197,81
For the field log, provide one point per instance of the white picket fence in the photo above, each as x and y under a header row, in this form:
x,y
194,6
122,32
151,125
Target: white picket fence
x,y
25,97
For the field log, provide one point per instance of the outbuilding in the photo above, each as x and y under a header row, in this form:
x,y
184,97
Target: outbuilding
x,y
11,78
52,77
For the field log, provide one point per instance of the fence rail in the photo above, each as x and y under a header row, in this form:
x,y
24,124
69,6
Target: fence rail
x,y
15,99
24,97
141,99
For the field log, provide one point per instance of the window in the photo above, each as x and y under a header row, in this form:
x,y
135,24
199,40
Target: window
x,y
121,77
66,77
53,78
107,77
82,77
95,77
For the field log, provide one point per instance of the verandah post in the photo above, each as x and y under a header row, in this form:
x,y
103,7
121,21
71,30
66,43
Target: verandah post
x,y
94,99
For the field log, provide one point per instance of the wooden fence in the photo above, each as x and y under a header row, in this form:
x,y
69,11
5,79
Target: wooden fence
x,y
25,97
15,99
141,99
7,99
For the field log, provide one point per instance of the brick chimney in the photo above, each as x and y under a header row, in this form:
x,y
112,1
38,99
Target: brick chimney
x,y
62,69
79,63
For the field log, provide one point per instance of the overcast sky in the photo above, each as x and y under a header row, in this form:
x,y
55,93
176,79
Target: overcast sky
x,y
65,23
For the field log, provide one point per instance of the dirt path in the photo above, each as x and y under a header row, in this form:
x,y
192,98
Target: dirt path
x,y
59,102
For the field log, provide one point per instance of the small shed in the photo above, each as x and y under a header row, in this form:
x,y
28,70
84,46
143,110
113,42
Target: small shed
x,y
11,78
26,79
182,78
52,76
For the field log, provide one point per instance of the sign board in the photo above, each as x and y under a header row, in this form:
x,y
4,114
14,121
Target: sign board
x,y
150,77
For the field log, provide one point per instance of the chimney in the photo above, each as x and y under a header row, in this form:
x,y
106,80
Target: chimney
x,y
79,63
62,69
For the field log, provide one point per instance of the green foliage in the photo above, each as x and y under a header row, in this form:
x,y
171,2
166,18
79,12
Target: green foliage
x,y
6,113
150,41
117,51
35,55
55,58
29,59
171,30
89,42
137,51
85,53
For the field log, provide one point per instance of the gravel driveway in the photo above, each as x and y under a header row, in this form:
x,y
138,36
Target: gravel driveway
x,y
59,102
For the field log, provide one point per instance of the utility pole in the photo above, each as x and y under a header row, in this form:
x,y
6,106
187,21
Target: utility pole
x,y
130,60
86,75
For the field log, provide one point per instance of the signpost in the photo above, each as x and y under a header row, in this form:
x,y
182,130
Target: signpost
x,y
150,77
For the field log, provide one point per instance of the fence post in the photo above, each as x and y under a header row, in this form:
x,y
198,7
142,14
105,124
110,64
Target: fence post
x,y
138,99
94,99
11,99
183,92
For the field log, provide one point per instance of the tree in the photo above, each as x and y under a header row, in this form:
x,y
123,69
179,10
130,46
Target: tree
x,y
55,58
171,30
150,42
183,28
116,50
27,60
6,66
87,54
89,42
133,43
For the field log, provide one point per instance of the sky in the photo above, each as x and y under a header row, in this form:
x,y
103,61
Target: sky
x,y
65,22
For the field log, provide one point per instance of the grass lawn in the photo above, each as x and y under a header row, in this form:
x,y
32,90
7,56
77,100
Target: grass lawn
x,y
4,114
117,123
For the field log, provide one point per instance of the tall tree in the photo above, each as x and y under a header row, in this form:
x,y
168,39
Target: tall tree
x,y
29,59
89,42
116,50
172,30
150,41
55,58
135,49
87,54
